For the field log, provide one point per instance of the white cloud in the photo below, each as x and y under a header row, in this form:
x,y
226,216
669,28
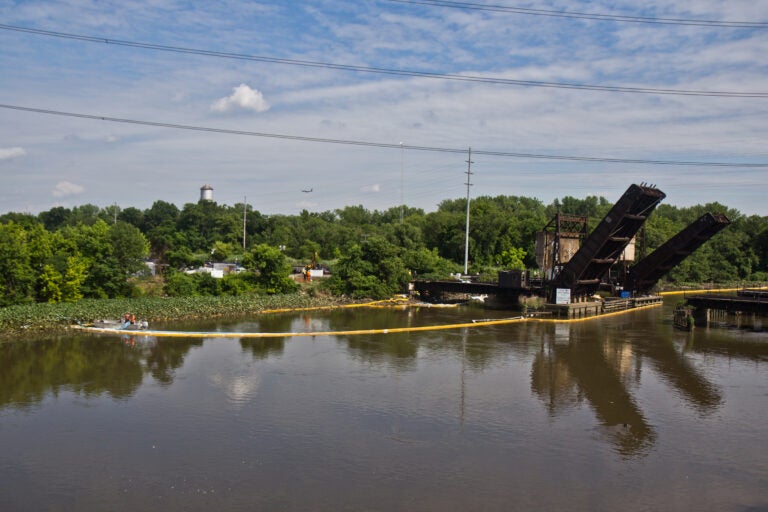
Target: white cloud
x,y
326,103
11,153
371,188
242,98
66,188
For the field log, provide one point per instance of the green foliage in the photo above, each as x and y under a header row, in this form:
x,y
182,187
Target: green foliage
x,y
497,224
73,279
239,284
427,264
512,259
129,248
272,268
181,257
222,251
178,284
66,255
17,277
372,269
49,284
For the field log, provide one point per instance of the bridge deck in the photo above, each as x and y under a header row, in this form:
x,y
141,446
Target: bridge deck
x,y
730,303
646,273
584,272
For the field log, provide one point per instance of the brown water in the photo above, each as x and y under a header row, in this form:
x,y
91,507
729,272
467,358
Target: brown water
x,y
621,413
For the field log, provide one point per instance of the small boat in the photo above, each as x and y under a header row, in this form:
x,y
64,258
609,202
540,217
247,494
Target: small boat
x,y
118,325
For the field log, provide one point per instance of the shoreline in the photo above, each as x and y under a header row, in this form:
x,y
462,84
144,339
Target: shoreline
x,y
42,318
20,320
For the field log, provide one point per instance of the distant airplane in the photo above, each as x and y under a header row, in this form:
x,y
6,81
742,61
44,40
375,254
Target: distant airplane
x,y
307,191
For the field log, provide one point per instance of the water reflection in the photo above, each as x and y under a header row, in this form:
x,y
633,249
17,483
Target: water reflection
x,y
397,350
679,373
601,363
620,412
86,365
732,343
240,386
263,348
566,372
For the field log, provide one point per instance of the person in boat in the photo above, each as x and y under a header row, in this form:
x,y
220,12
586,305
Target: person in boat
x,y
126,321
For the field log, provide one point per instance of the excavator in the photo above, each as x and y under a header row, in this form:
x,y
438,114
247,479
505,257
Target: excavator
x,y
310,267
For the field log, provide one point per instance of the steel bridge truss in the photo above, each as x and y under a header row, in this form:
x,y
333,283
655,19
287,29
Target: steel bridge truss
x,y
587,268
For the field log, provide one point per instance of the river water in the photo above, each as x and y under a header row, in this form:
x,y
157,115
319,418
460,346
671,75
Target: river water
x,y
617,413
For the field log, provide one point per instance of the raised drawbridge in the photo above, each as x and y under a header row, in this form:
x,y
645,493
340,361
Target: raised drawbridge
x,y
603,247
642,276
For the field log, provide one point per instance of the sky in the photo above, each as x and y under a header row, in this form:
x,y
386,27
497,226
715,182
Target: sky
x,y
396,94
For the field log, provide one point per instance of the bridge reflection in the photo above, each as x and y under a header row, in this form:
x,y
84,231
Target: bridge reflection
x,y
570,369
596,366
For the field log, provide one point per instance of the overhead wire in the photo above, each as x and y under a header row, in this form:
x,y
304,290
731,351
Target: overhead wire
x,y
383,145
388,71
589,16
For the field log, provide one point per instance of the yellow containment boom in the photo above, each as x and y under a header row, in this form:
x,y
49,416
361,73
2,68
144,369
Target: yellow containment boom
x,y
394,330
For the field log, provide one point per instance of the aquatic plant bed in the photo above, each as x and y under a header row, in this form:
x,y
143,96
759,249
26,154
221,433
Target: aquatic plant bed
x,y
15,320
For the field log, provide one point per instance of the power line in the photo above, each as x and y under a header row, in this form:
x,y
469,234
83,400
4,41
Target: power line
x,y
507,154
386,71
589,16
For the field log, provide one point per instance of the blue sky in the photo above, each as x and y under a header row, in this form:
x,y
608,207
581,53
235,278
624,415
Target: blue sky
x,y
51,160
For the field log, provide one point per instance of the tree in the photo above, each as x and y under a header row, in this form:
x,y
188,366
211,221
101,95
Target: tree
x,y
129,248
17,278
158,214
446,233
132,216
111,254
427,264
222,251
57,264
73,279
272,267
178,259
49,284
55,218
178,284
86,214
371,269
513,259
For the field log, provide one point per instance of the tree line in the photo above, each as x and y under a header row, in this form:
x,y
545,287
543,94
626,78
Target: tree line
x,y
65,254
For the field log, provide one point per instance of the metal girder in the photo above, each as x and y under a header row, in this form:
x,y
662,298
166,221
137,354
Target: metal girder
x,y
584,272
646,273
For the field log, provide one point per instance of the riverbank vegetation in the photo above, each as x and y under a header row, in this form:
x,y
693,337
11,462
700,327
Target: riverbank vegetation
x,y
36,317
63,255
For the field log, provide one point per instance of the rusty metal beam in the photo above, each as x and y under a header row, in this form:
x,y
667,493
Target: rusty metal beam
x,y
647,272
584,272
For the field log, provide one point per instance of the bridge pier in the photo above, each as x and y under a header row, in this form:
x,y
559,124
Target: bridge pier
x,y
701,317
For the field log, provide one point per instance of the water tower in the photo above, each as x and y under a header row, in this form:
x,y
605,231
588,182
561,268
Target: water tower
x,y
206,193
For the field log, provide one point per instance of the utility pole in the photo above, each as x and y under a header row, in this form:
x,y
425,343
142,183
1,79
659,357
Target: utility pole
x,y
466,235
402,202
